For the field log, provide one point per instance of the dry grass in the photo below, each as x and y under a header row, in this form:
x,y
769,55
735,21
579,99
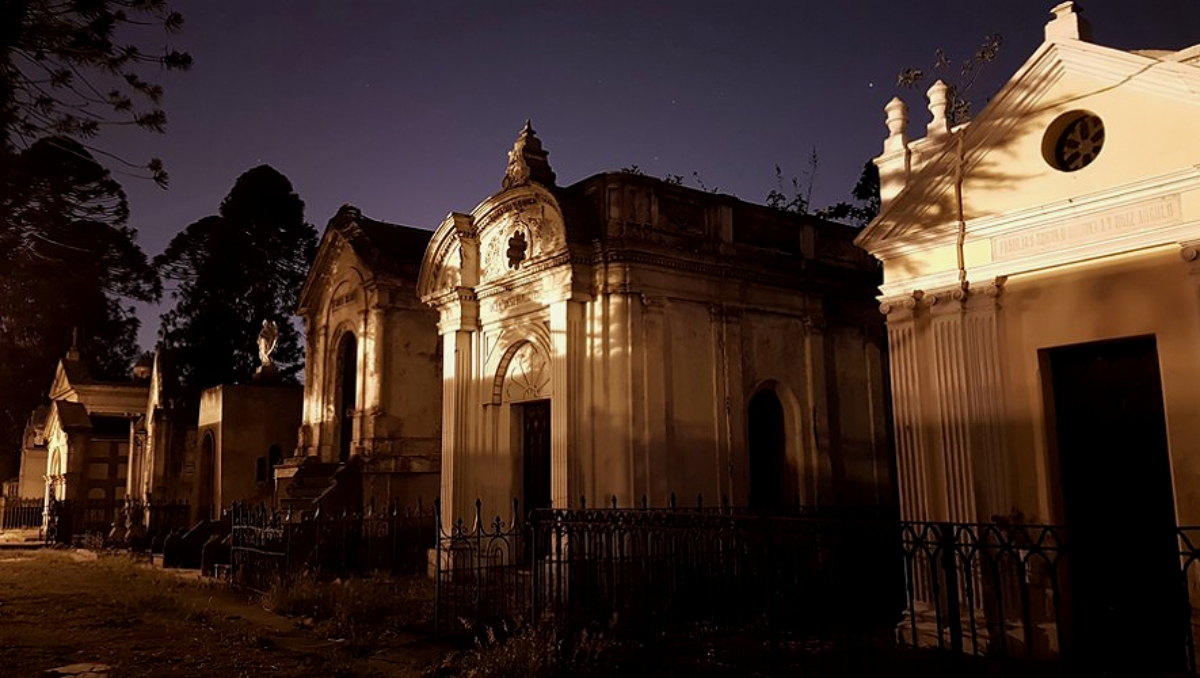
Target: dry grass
x,y
364,611
57,609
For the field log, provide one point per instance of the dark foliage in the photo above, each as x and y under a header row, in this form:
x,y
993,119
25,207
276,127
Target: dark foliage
x,y
234,270
959,84
866,200
67,261
66,69
797,199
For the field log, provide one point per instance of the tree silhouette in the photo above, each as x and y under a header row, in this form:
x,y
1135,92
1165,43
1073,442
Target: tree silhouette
x,y
234,270
67,262
65,70
959,84
866,200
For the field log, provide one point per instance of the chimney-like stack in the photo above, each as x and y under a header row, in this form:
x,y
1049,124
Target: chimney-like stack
x,y
1068,23
894,163
939,124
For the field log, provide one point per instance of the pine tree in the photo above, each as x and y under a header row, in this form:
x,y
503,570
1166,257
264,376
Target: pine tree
x,y
234,270
68,263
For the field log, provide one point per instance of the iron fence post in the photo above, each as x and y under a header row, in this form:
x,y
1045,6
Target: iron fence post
x,y
437,572
950,573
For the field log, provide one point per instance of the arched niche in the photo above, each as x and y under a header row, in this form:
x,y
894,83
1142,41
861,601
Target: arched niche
x,y
773,450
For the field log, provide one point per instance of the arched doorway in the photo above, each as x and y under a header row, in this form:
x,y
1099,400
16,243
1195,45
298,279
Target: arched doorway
x,y
767,439
208,469
523,382
347,396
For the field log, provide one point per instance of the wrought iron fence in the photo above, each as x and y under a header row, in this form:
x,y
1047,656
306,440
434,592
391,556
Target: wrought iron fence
x,y
19,514
71,519
807,594
1189,556
269,545
482,575
160,517
984,597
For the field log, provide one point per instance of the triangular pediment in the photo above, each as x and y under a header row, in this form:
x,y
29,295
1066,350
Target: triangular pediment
x,y
1147,102
67,376
373,249
331,258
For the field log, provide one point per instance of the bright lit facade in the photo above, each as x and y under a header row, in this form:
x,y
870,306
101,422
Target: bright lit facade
x,y
1042,294
625,338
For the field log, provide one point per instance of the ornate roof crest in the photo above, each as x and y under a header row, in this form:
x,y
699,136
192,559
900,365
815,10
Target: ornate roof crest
x,y
527,162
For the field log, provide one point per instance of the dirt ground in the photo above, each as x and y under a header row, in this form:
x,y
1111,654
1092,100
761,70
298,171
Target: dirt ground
x,y
60,607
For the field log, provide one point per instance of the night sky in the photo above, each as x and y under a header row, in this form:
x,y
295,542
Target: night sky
x,y
408,109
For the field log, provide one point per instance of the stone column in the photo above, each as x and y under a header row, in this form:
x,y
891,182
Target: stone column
x,y
955,466
612,366
817,483
567,335
904,358
993,472
731,472
655,355
973,462
458,373
373,373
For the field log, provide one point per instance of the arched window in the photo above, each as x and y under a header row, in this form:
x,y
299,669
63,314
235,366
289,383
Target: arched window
x,y
767,439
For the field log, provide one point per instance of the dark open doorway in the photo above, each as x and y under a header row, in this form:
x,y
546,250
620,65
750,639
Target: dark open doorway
x,y
535,454
1107,423
533,419
766,439
347,394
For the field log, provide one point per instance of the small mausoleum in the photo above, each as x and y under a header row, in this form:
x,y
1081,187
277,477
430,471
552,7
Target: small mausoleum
x,y
625,338
87,435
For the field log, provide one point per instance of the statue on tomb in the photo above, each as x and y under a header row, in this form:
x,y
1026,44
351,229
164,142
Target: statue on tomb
x,y
267,339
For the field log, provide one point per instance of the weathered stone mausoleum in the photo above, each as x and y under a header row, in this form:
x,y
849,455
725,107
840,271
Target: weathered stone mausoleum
x,y
161,458
624,337
372,389
1042,294
87,433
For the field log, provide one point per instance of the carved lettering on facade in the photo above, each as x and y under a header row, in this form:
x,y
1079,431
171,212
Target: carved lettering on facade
x,y
503,303
343,299
1097,227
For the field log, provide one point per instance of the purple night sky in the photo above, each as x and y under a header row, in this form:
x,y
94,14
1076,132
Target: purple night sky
x,y
408,109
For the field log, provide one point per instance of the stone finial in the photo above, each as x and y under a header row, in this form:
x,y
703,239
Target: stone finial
x,y
527,162
144,367
897,124
939,124
73,352
1068,23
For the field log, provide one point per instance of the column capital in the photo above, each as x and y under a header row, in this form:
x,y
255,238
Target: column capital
x,y
902,306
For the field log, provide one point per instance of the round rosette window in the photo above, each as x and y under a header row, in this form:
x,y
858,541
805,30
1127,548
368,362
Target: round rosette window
x,y
1073,140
